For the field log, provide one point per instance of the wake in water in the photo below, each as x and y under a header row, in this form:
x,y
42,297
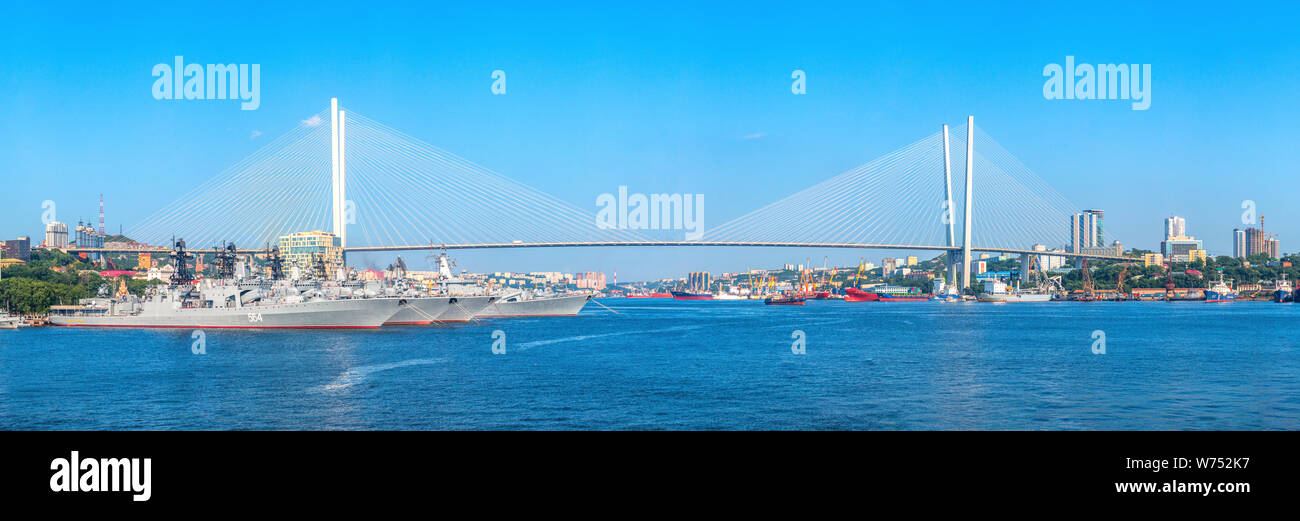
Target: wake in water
x,y
359,374
524,346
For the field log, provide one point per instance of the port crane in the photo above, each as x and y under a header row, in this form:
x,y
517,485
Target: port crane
x,y
1089,293
1169,283
861,264
1119,283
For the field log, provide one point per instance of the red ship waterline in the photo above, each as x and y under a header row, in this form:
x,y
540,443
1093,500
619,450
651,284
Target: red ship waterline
x,y
652,295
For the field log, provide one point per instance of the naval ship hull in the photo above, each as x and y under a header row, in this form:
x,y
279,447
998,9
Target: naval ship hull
x,y
537,307
420,311
461,309
320,314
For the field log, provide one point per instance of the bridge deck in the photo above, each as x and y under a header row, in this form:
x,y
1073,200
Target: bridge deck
x,y
418,247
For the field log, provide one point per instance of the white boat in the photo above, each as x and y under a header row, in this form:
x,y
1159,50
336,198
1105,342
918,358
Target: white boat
x,y
1017,296
8,322
1000,292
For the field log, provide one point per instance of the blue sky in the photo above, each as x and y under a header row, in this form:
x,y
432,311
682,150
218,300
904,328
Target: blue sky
x,y
661,98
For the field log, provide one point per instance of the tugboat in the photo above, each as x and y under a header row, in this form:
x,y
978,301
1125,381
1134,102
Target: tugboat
x,y
1285,292
1221,291
784,299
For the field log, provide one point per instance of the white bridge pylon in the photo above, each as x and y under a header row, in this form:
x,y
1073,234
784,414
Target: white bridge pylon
x,y
338,162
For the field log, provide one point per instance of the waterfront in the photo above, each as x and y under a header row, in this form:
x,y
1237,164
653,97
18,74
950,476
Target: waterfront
x,y
663,364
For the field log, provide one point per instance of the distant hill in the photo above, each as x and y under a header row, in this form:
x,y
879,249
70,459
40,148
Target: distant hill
x,y
119,238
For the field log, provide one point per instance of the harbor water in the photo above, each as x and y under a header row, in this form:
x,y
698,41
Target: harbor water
x,y
665,364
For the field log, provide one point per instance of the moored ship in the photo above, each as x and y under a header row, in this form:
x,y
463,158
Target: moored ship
x,y
691,295
885,294
226,303
1284,291
656,294
525,304
419,311
852,294
185,309
785,299
901,294
1221,291
1000,292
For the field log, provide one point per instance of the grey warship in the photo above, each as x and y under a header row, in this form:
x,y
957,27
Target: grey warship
x,y
226,303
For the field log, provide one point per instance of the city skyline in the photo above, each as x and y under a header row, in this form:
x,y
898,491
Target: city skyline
x,y
596,107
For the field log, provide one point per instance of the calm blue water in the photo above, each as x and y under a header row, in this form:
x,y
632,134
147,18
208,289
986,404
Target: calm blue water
x,y
663,364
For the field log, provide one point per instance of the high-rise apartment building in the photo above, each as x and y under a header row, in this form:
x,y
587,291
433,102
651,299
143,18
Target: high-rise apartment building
x,y
1254,241
1175,226
1086,230
56,235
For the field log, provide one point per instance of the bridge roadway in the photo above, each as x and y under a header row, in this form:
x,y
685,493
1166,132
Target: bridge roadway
x,y
598,244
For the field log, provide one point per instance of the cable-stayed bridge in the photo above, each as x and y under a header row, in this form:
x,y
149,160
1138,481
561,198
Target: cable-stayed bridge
x,y
379,189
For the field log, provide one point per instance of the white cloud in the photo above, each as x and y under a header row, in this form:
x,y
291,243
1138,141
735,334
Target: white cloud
x,y
314,121
255,134
756,135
